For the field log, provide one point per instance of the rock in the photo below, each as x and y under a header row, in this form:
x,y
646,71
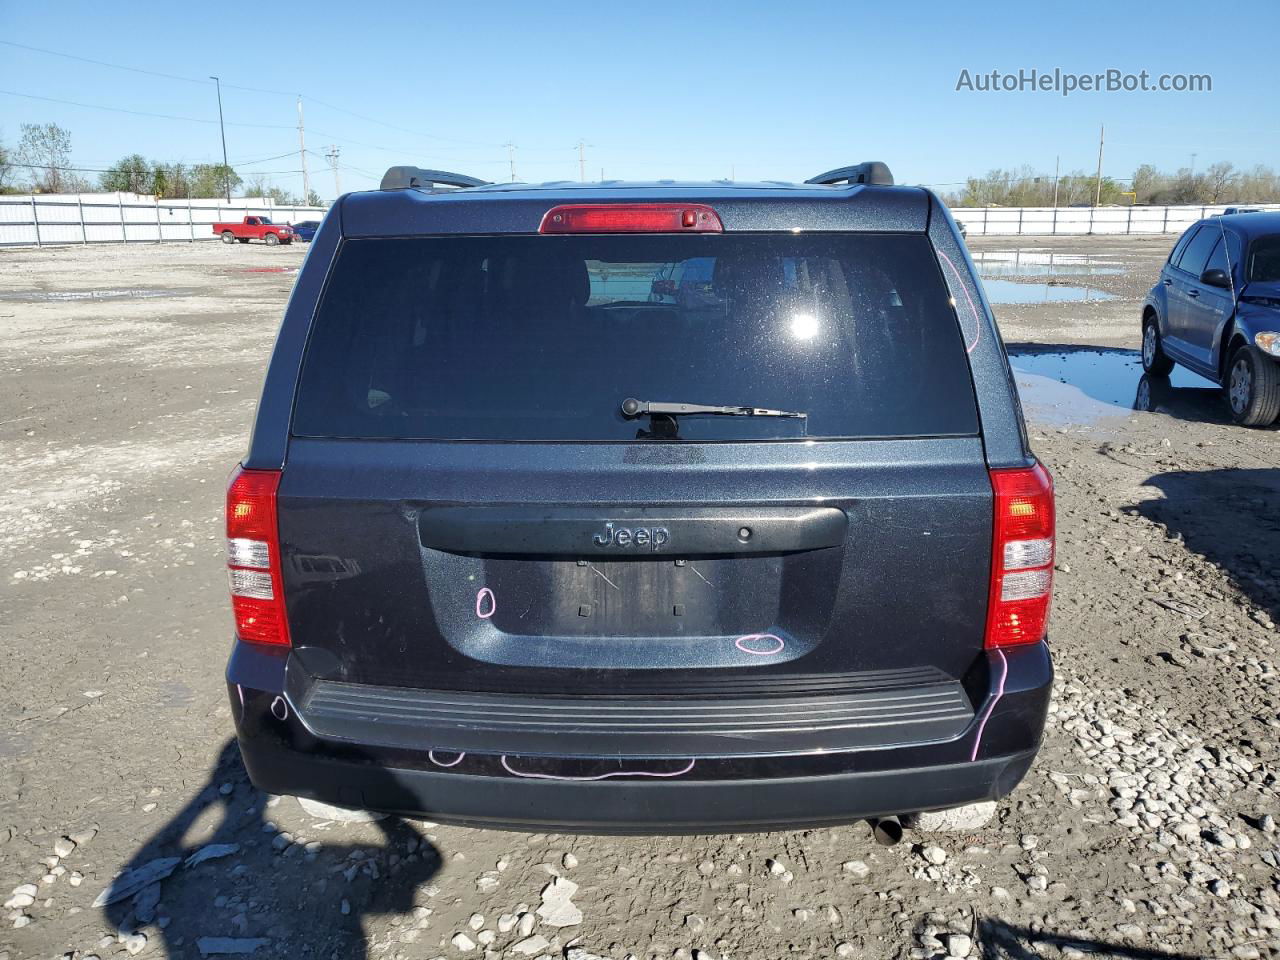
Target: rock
x,y
81,837
531,946
845,949
579,953
18,901
135,943
211,851
22,921
28,888
695,923
935,855
556,909
64,846
569,861
506,923
462,942
146,901
972,816
218,946
486,883
486,937
856,868
476,921
959,944
326,811
524,926
132,881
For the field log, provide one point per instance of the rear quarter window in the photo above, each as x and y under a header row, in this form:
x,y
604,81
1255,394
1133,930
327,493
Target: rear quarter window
x,y
543,337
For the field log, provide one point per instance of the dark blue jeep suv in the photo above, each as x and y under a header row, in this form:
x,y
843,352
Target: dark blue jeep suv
x,y
1216,310
640,507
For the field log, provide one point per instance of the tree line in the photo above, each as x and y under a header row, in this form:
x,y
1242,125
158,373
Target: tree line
x,y
41,163
1023,187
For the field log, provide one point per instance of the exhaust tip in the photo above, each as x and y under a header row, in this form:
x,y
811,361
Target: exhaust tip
x,y
887,831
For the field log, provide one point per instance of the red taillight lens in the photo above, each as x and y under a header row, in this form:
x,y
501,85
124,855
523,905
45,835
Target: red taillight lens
x,y
1021,556
632,218
253,557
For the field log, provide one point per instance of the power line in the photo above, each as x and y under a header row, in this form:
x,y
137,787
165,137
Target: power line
x,y
121,66
142,113
234,86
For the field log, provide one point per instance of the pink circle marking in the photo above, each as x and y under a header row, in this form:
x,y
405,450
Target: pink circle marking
x,y
741,644
493,603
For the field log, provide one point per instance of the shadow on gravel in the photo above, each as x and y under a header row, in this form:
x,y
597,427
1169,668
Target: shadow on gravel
x,y
216,879
1005,941
1231,517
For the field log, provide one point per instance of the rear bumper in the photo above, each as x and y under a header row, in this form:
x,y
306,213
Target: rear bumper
x,y
523,788
626,806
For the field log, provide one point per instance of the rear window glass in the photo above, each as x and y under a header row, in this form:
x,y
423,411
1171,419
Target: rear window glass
x,y
543,337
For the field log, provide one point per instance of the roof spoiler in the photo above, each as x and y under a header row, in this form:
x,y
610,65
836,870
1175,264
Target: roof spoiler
x,y
404,178
873,172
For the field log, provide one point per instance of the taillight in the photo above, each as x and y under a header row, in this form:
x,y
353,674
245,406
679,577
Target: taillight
x,y
1021,556
253,557
632,218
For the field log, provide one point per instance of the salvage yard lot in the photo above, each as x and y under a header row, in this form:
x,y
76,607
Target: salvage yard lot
x,y
128,378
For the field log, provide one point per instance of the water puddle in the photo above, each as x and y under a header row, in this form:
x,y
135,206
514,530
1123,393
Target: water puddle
x,y
71,296
1079,387
1011,291
1043,263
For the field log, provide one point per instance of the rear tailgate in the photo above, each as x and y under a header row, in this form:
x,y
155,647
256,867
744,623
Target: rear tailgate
x,y
465,507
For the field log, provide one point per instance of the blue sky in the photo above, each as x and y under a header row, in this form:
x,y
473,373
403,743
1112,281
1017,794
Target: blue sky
x,y
685,90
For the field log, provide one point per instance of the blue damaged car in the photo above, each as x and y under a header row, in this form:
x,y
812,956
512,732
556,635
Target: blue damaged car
x,y
1216,311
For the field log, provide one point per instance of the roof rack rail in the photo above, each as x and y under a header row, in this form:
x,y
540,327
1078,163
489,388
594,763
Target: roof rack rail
x,y
401,178
873,171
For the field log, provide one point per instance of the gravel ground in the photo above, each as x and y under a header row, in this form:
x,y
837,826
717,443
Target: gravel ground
x,y
128,378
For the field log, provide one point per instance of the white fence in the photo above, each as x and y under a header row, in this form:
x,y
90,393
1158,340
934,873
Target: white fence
x,y
983,221
129,218
28,221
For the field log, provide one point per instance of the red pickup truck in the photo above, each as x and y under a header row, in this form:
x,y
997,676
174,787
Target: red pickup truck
x,y
254,228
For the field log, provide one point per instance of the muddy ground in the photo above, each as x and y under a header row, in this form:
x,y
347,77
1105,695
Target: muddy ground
x,y
128,378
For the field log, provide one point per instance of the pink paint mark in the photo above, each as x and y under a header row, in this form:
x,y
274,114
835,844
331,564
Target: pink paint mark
x,y
750,638
493,603
977,323
431,755
603,776
986,714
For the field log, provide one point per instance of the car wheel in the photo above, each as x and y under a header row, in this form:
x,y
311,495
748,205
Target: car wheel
x,y
271,239
1253,388
1154,360
228,236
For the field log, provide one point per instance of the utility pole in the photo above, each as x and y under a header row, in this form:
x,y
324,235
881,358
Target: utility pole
x,y
302,154
333,162
226,167
1057,162
1097,193
582,161
511,158
1193,164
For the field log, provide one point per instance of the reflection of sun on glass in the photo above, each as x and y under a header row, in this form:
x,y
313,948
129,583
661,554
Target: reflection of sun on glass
x,y
804,326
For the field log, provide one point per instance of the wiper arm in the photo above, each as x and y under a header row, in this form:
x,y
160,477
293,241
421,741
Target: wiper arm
x,y
632,407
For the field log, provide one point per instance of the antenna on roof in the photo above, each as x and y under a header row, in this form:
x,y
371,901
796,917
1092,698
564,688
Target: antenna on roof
x,y
871,172
402,178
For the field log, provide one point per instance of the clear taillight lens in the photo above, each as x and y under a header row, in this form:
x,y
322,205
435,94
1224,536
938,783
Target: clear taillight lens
x,y
1022,556
253,557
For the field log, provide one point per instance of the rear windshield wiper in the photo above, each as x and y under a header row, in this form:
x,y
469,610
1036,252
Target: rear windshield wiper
x,y
631,407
